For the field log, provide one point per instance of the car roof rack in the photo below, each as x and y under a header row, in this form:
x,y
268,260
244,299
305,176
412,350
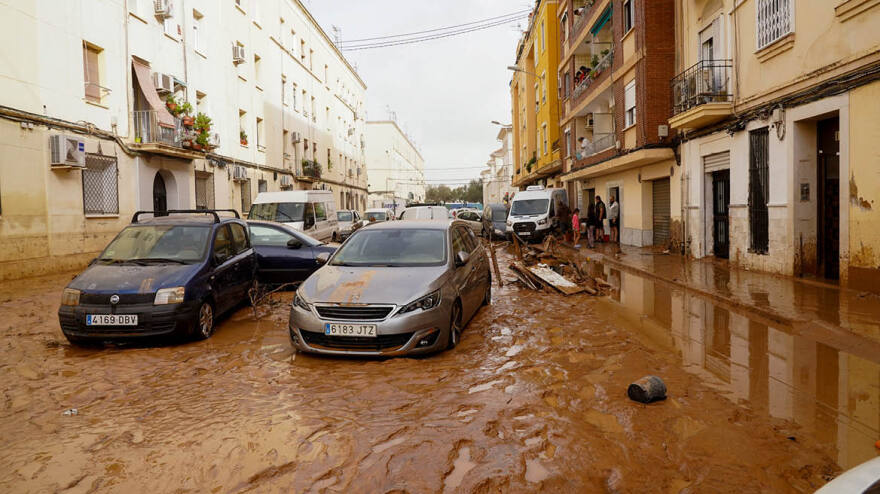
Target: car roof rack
x,y
213,212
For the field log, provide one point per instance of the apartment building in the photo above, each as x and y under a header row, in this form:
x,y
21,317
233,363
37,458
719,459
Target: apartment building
x,y
113,106
395,166
498,176
616,58
777,103
535,100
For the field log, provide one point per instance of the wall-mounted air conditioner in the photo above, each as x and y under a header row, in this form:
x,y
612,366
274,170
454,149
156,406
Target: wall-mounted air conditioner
x,y
237,54
162,8
239,173
164,83
296,137
66,151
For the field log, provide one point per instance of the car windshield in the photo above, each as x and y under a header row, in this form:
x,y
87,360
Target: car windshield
x,y
398,248
343,216
375,216
158,244
499,214
529,206
282,212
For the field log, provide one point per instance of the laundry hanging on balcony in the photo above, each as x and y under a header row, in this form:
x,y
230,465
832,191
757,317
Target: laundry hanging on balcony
x,y
603,19
164,118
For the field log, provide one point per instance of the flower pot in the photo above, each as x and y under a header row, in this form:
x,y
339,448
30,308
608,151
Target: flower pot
x,y
189,121
188,144
171,106
197,146
244,142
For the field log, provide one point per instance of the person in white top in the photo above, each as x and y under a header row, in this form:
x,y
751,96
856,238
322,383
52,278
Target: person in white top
x,y
613,219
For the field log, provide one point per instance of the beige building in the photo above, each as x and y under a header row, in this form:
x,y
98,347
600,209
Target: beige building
x,y
778,102
395,166
91,127
498,176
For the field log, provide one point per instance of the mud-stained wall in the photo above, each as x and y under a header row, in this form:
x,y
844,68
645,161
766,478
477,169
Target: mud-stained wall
x,y
864,189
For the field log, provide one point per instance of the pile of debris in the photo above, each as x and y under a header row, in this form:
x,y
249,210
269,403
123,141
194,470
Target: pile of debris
x,y
543,266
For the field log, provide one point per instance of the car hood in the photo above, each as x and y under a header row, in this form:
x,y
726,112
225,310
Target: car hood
x,y
372,285
99,278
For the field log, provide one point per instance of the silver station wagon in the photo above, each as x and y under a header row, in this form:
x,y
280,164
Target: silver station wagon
x,y
395,288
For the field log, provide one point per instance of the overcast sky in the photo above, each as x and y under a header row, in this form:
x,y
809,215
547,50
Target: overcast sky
x,y
445,92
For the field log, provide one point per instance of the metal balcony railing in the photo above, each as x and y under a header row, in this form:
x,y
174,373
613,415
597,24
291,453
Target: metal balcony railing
x,y
595,72
600,143
309,169
148,131
707,81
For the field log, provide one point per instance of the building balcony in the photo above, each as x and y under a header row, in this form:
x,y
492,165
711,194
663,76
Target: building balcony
x,y
701,95
598,73
308,171
600,142
153,137
583,11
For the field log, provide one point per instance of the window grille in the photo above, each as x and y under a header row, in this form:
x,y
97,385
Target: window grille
x,y
100,185
204,190
774,20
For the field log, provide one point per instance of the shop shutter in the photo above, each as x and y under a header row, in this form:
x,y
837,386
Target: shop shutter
x,y
661,211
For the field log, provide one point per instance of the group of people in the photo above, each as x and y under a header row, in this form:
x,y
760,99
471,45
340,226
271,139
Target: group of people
x,y
594,222
581,74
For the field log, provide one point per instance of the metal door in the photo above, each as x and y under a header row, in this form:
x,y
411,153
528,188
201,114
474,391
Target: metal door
x,y
160,194
661,211
829,198
720,213
759,190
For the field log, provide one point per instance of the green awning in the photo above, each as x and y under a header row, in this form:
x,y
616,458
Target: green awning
x,y
604,18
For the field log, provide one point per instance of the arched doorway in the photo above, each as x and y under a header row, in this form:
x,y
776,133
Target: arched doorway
x,y
160,193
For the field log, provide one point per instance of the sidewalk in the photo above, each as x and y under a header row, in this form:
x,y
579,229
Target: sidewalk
x,y
784,299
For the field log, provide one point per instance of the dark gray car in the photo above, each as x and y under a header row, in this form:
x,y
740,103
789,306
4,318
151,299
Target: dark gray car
x,y
395,288
495,220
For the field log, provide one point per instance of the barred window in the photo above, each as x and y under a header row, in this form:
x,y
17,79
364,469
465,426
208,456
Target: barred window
x,y
204,190
774,20
100,185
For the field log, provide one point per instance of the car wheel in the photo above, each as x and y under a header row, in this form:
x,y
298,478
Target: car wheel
x,y
454,326
487,297
205,321
335,237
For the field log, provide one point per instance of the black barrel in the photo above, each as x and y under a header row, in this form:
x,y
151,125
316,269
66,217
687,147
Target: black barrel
x,y
647,389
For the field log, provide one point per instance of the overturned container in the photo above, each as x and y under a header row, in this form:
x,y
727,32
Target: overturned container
x,y
647,390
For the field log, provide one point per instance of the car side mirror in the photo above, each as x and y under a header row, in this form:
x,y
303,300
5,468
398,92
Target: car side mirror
x,y
322,258
294,244
462,258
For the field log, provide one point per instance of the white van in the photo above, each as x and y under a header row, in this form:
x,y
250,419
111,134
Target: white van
x,y
533,211
310,211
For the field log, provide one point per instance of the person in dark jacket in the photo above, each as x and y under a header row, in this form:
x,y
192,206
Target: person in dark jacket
x,y
601,214
591,225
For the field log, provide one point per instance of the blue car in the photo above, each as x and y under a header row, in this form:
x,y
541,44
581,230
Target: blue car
x,y
170,274
284,254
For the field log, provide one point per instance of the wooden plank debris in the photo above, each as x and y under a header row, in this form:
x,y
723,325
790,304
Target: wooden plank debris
x,y
555,280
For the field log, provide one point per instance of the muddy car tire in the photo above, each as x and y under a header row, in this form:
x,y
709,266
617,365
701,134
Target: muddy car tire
x,y
205,322
454,326
487,297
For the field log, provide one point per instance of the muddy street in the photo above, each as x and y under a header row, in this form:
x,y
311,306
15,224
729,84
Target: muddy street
x,y
534,398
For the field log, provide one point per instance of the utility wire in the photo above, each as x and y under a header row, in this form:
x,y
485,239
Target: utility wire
x,y
456,26
426,38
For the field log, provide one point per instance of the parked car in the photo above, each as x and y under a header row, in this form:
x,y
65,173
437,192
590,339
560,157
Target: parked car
x,y
394,288
425,213
494,220
284,254
473,219
863,478
533,212
348,220
309,211
160,276
376,215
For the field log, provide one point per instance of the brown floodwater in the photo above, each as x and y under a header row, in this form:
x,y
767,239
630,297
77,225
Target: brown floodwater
x,y
534,398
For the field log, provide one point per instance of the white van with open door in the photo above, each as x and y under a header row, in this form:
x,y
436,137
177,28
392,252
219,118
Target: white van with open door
x,y
533,212
310,211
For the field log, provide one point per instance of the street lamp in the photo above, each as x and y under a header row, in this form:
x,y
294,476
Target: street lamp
x,y
496,122
515,68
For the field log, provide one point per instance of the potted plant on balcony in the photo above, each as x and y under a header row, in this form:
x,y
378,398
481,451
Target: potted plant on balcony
x,y
242,135
186,110
201,143
202,123
172,105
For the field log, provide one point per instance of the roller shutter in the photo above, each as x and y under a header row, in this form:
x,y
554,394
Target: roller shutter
x,y
661,212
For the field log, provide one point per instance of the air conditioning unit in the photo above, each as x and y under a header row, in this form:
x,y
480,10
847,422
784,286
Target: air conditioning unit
x,y
286,182
162,8
239,174
66,151
296,137
164,83
589,124
237,54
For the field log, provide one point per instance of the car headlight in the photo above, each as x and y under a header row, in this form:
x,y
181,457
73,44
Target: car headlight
x,y
169,296
425,303
542,221
301,303
70,296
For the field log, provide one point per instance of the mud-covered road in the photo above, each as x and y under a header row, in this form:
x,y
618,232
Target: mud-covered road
x,y
533,399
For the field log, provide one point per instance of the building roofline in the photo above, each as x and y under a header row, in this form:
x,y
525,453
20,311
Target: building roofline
x,y
392,122
330,42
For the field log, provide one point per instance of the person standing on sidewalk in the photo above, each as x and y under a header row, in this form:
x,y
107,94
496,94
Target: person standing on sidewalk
x,y
613,217
600,218
591,225
576,226
563,218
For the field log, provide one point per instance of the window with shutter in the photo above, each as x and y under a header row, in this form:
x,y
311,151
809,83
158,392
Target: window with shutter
x,y
91,72
629,100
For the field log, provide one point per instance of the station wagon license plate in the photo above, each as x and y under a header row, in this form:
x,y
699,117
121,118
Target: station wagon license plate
x,y
111,320
362,330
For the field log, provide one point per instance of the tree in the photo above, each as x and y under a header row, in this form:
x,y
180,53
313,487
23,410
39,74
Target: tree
x,y
438,193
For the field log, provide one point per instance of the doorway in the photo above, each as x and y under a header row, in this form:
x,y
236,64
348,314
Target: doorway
x,y
661,211
720,213
160,194
828,216
615,193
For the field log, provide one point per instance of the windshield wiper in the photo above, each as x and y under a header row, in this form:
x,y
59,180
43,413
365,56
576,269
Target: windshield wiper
x,y
158,259
110,260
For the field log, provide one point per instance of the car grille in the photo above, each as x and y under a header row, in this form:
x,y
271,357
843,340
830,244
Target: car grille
x,y
380,342
124,298
354,313
525,226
